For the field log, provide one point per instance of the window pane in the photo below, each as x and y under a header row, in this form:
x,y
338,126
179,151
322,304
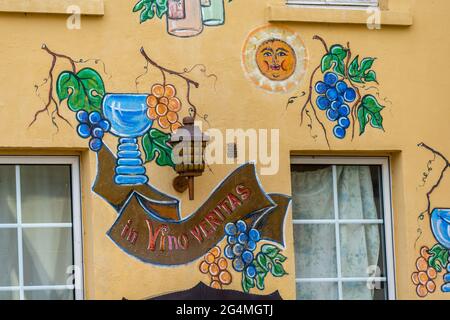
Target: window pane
x,y
356,195
361,251
9,295
315,251
312,192
9,270
364,290
377,183
8,194
47,253
317,291
45,193
49,295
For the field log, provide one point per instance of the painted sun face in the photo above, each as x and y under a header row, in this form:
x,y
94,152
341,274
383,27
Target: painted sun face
x,y
276,59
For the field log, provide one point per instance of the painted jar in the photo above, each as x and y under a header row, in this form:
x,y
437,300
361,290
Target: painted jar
x,y
213,12
184,18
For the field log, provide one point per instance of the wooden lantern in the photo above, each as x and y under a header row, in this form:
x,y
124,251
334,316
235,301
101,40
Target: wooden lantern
x,y
191,157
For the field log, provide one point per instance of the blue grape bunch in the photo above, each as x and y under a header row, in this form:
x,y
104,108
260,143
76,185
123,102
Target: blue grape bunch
x,y
92,125
334,96
241,245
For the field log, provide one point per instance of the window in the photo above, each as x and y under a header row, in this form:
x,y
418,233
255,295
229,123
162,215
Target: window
x,y
40,228
86,7
360,3
342,228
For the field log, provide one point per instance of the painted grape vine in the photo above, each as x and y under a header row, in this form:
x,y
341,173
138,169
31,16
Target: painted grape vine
x,y
84,91
242,242
436,260
339,93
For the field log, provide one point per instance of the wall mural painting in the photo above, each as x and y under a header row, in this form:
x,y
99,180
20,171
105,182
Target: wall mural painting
x,y
185,18
216,267
242,240
274,59
346,93
434,260
149,226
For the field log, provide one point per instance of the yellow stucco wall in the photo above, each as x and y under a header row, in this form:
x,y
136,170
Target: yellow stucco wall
x,y
413,73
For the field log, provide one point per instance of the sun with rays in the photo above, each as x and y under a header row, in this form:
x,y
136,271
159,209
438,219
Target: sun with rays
x,y
274,58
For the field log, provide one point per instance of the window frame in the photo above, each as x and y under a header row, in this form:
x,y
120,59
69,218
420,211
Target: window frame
x,y
76,225
87,7
395,14
388,218
334,3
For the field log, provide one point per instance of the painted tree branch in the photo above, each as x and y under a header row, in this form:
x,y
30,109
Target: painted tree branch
x,y
441,175
203,70
317,37
310,92
189,81
426,174
96,61
136,81
358,93
309,102
51,100
58,55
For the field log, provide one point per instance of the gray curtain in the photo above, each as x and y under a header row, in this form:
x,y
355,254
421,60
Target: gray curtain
x,y
315,244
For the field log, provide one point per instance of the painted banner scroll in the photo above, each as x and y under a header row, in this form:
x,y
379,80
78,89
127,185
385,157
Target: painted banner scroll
x,y
149,226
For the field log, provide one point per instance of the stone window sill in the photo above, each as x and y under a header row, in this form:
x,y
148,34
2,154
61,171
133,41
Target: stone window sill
x,y
279,12
86,7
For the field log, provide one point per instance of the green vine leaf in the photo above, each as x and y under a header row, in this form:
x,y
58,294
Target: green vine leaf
x,y
366,65
147,14
270,250
371,76
327,62
269,259
258,267
149,8
140,5
155,145
247,283
260,277
361,73
370,112
353,69
339,51
439,257
277,270
330,61
280,257
161,8
263,261
334,59
83,91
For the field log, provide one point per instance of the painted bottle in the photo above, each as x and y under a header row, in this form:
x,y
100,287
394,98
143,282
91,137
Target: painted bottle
x,y
213,12
184,18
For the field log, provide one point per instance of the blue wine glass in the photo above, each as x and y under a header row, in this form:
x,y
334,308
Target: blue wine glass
x,y
440,225
128,116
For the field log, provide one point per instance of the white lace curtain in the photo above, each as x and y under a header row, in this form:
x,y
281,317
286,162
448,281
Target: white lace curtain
x,y
315,244
46,251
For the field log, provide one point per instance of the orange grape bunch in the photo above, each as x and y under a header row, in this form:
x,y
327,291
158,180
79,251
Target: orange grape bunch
x,y
216,266
163,106
425,275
